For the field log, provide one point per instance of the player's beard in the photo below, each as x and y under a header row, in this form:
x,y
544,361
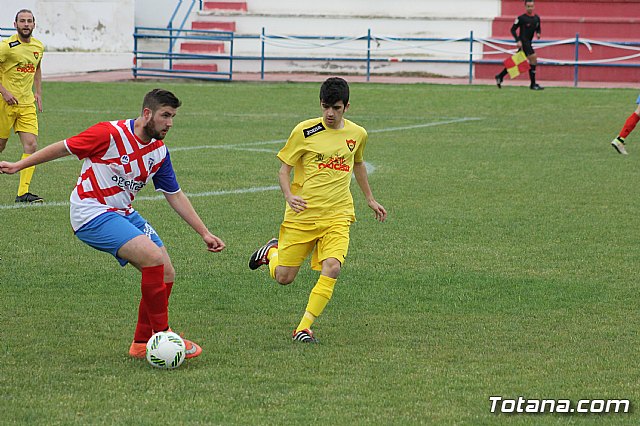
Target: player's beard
x,y
150,130
26,35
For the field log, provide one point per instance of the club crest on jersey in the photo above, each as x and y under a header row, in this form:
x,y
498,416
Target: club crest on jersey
x,y
351,144
124,159
36,55
313,130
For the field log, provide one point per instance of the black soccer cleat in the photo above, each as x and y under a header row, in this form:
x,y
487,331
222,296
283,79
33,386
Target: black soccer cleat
x,y
304,336
259,257
499,81
536,87
29,198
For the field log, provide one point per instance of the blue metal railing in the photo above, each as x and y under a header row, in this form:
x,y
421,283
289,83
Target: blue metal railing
x,y
179,30
168,63
471,60
360,50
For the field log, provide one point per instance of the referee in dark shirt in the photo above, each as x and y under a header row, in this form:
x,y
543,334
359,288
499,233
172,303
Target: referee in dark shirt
x,y
523,30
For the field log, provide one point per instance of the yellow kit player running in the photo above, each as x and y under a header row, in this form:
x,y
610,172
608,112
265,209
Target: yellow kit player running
x,y
20,57
323,153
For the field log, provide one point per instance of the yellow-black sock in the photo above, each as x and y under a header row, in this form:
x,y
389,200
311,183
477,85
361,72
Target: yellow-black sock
x,y
25,177
318,299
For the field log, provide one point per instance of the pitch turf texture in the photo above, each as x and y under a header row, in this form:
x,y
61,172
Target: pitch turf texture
x,y
508,266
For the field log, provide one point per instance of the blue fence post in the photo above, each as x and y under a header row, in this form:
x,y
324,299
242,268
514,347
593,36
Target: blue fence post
x,y
262,56
170,24
368,53
471,57
135,52
576,66
171,41
231,57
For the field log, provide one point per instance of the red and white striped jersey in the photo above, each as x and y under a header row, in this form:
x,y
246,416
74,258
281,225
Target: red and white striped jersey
x,y
117,165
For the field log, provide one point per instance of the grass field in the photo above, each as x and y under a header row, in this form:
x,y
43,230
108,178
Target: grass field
x,y
508,266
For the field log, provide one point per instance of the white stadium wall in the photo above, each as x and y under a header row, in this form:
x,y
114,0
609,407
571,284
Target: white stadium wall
x,y
452,19
79,36
94,35
378,8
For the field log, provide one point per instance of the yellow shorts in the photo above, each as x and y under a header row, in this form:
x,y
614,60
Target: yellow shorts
x,y
22,118
296,241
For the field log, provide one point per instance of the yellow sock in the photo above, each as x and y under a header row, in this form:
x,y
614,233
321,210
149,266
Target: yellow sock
x,y
307,319
272,255
318,299
25,177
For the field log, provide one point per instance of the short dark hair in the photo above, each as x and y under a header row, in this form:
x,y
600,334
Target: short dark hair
x,y
528,1
334,89
24,11
158,98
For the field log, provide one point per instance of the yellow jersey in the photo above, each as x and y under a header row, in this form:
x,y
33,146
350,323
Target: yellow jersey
x,y
18,63
322,159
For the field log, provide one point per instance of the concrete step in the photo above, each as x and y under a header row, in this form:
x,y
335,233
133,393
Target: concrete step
x,y
214,25
582,8
225,5
568,51
320,25
603,28
566,73
196,67
202,47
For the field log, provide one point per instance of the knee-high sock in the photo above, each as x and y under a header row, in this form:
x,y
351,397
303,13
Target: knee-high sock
x,y
629,125
503,73
532,74
144,331
318,299
25,177
154,295
272,255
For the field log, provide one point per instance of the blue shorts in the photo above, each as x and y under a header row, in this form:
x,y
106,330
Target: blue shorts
x,y
110,231
638,100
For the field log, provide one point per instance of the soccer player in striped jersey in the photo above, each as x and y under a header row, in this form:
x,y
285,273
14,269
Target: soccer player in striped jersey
x,y
20,59
324,153
119,159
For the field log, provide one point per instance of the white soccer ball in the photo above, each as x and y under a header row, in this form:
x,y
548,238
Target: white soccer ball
x,y
165,350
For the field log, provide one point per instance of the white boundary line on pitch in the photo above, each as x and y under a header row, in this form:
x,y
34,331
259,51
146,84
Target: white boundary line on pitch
x,y
247,146
147,198
244,146
370,167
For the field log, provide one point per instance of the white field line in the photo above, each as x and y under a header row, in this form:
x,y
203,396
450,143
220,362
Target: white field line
x,y
240,147
147,198
243,146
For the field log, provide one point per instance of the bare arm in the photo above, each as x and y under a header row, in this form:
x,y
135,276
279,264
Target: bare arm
x,y
181,204
37,84
360,172
48,153
296,202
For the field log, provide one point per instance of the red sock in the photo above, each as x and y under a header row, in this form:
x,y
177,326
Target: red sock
x,y
629,125
144,331
154,296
